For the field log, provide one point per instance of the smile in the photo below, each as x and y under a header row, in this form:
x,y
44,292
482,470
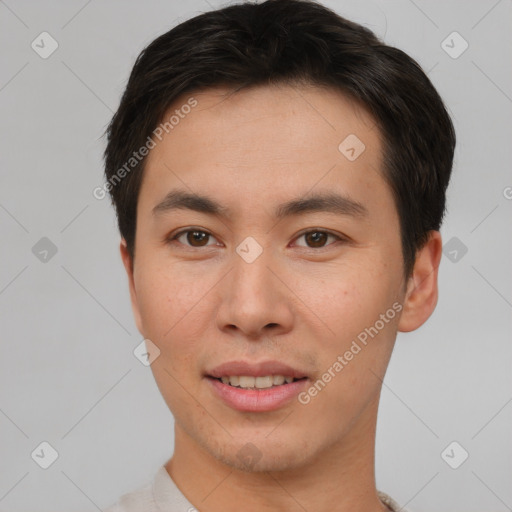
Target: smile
x,y
250,382
246,396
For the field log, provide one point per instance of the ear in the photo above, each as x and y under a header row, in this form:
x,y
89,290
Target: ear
x,y
129,267
422,292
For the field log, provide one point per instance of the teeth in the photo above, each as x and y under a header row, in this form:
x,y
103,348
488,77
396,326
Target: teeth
x,y
264,382
247,381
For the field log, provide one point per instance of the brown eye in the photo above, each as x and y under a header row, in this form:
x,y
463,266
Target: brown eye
x,y
317,239
192,238
197,236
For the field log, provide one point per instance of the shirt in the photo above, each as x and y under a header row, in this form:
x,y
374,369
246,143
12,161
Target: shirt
x,y
161,494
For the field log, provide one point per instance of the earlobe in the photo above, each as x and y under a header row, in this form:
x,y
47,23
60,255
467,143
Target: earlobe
x,y
129,267
422,290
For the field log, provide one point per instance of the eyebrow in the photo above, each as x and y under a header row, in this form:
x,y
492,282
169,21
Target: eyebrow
x,y
320,202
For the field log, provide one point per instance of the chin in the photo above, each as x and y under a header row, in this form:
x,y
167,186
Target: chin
x,y
260,455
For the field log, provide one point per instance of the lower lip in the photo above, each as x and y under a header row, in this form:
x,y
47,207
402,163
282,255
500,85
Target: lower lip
x,y
257,400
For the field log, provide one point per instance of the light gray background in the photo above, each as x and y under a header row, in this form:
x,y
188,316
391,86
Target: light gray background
x,y
67,372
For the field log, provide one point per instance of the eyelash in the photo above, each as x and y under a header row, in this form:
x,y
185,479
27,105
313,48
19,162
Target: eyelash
x,y
173,237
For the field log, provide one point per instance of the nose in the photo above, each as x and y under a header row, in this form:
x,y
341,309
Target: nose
x,y
254,301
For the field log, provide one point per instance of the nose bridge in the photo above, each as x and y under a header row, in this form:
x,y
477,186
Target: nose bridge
x,y
253,298
251,273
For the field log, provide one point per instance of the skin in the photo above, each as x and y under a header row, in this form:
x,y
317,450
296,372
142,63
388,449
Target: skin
x,y
299,303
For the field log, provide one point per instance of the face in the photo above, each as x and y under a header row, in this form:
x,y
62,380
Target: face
x,y
293,268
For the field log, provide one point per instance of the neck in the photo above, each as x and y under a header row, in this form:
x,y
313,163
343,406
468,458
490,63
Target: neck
x,y
340,480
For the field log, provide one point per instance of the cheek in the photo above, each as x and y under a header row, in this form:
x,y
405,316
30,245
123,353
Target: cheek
x,y
173,310
345,298
169,297
350,307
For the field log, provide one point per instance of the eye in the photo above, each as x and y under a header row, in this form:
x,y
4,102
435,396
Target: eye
x,y
317,238
196,238
192,237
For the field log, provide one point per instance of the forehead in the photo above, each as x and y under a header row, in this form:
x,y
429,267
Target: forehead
x,y
293,115
265,139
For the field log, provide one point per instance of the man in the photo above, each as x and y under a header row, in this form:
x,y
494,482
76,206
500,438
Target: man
x,y
279,179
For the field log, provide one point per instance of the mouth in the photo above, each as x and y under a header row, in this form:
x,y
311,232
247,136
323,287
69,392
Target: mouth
x,y
256,387
250,382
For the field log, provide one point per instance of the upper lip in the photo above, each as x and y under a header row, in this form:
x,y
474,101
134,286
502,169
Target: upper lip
x,y
261,369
